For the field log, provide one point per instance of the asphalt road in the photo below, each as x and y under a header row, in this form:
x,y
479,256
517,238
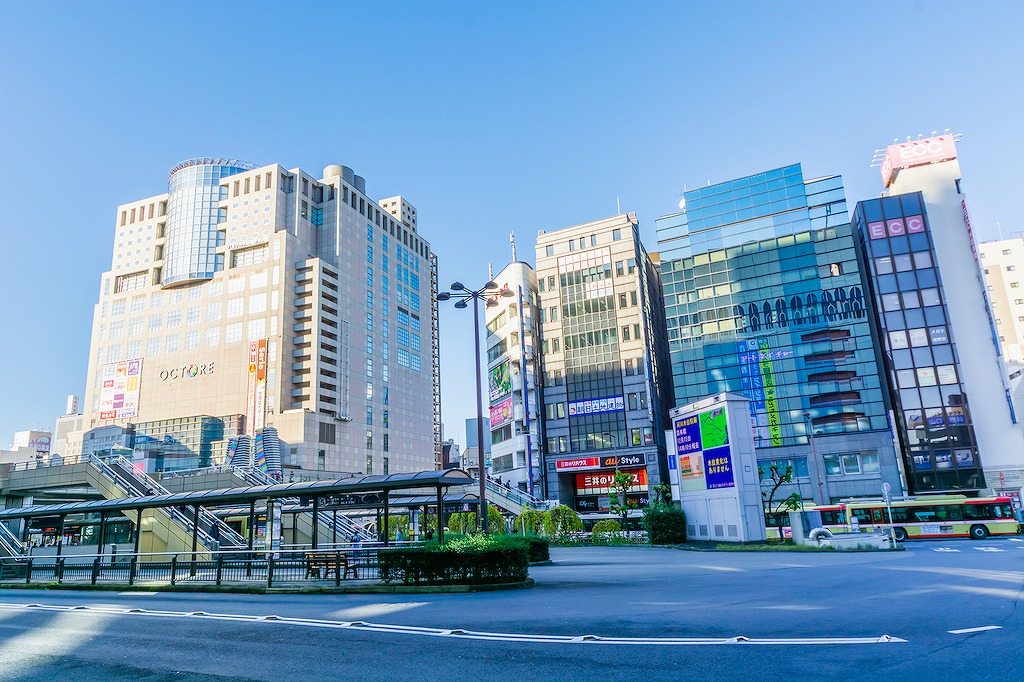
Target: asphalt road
x,y
658,614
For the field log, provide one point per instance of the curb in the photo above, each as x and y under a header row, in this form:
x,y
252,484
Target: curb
x,y
297,589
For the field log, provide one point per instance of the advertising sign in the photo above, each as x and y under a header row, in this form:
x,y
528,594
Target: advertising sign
x,y
502,412
703,451
599,482
916,153
577,463
250,389
119,391
622,461
579,408
499,381
261,385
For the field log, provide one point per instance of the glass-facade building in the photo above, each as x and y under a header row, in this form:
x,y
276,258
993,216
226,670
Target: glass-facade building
x,y
765,297
932,410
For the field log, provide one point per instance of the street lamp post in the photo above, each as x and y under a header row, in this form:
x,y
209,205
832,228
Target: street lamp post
x,y
814,456
488,293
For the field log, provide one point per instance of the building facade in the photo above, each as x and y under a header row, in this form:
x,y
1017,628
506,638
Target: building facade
x,y
954,413
513,351
261,296
606,391
765,297
1002,264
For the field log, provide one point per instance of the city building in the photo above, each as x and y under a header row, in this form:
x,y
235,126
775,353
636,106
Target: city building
x,y
765,297
954,415
471,434
512,386
28,446
248,297
606,389
1002,264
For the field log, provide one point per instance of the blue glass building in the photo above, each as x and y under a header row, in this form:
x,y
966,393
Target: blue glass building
x,y
765,297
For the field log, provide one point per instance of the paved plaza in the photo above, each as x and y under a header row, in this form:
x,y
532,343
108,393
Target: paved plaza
x,y
938,611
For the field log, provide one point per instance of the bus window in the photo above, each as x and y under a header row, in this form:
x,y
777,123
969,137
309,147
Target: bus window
x,y
876,516
924,513
863,515
832,517
949,512
977,511
1002,511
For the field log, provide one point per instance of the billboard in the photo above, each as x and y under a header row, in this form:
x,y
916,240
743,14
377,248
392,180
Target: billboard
x,y
578,408
703,451
916,153
501,412
119,390
256,387
499,381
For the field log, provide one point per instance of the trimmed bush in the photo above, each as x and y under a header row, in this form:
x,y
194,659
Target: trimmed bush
x,y
562,520
537,548
468,560
665,525
604,529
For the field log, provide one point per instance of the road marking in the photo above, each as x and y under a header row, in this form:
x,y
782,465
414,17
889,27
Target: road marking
x,y
1016,540
989,549
981,629
456,633
945,549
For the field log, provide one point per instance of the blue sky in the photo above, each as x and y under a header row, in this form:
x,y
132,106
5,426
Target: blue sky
x,y
489,117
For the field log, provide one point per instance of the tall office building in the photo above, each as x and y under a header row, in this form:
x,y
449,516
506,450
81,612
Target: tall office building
x,y
606,392
513,431
250,297
954,413
1002,264
765,297
472,429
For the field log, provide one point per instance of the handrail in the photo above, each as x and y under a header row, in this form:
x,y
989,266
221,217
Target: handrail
x,y
521,498
224,530
11,542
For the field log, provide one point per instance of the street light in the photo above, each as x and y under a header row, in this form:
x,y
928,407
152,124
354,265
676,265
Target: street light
x,y
489,293
814,456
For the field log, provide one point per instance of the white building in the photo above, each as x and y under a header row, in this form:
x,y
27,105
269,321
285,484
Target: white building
x,y
1003,266
955,412
253,296
513,391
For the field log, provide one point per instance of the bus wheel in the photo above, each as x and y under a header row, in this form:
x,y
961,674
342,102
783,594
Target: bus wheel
x,y
900,533
979,532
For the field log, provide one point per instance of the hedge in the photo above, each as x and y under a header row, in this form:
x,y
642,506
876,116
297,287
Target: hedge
x,y
665,525
470,560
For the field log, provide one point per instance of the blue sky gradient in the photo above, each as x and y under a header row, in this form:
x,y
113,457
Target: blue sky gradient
x,y
488,117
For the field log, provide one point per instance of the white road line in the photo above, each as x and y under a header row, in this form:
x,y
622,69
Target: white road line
x,y
989,549
945,549
981,629
456,633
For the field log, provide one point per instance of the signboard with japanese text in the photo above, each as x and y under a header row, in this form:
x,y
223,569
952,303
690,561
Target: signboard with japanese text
x,y
703,451
501,412
119,390
577,463
499,381
599,482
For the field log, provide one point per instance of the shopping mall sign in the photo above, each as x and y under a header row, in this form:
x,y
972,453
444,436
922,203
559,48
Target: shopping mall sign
x,y
916,153
577,463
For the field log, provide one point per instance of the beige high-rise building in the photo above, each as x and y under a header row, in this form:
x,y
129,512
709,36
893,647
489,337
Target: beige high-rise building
x,y
248,297
1003,265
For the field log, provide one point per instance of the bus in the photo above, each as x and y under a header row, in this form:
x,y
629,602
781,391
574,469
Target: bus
x,y
833,517
948,516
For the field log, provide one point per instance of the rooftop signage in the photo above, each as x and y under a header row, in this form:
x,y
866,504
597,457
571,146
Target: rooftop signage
x,y
916,153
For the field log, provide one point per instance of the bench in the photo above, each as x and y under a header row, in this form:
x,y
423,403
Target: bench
x,y
327,562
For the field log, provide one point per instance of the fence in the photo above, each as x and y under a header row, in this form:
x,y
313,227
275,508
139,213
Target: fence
x,y
285,567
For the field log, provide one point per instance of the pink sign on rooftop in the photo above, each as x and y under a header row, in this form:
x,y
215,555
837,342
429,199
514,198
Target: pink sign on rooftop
x,y
916,153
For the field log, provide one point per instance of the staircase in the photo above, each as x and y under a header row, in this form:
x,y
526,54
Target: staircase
x,y
512,500
10,545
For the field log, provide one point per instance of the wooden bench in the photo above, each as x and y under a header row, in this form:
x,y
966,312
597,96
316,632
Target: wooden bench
x,y
327,562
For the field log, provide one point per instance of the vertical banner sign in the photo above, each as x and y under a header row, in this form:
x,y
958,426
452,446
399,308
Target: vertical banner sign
x,y
526,395
250,391
770,402
261,385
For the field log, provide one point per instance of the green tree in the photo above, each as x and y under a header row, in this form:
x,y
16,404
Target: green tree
x,y
561,520
661,494
619,502
770,485
530,522
495,521
606,529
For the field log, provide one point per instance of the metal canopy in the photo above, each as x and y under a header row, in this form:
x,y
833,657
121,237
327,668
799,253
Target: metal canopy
x,y
223,496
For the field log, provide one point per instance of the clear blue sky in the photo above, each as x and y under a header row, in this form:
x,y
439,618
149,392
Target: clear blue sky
x,y
489,117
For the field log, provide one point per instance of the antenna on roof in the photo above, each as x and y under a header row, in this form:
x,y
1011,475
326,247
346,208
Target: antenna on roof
x,y
512,241
618,209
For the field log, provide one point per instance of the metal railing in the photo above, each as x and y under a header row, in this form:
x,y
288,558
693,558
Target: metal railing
x,y
523,499
11,543
224,535
287,566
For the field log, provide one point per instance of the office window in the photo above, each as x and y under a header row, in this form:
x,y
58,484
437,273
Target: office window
x,y
625,333
616,235
549,250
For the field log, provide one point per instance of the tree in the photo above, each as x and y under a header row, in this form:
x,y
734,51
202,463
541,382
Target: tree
x,y
770,488
529,522
561,520
661,495
605,529
618,502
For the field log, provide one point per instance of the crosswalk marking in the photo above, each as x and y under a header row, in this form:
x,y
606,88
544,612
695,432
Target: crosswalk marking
x,y
945,549
989,549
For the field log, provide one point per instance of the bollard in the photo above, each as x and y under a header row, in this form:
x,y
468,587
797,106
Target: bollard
x,y
132,565
95,569
220,567
28,571
337,568
174,568
270,570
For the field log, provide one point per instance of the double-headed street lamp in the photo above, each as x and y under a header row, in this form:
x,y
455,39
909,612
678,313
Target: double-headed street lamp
x,y
489,293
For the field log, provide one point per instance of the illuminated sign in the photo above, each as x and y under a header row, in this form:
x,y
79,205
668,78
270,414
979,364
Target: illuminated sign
x,y
916,153
499,382
256,387
502,412
600,482
577,463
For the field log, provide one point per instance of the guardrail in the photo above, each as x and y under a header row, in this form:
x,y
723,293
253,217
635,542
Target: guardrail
x,y
342,563
523,499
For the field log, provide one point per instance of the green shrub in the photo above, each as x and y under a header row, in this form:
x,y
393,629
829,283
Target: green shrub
x,y
665,525
561,520
537,548
603,529
468,559
532,519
